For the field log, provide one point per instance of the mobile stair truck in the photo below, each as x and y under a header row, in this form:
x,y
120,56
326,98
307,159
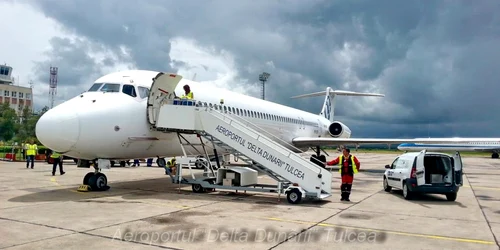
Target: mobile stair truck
x,y
297,177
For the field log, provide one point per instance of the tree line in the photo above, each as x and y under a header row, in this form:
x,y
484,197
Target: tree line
x,y
14,128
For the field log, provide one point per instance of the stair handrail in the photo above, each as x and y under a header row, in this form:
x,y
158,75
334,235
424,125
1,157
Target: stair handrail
x,y
211,110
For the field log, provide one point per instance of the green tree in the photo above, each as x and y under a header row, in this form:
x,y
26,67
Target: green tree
x,y
8,122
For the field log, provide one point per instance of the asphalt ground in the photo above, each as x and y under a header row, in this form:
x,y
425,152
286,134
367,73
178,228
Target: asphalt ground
x,y
144,210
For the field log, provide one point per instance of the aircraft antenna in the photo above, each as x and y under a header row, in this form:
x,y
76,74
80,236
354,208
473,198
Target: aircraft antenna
x,y
263,78
53,85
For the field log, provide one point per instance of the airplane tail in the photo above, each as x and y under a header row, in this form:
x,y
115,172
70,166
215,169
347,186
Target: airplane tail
x,y
328,109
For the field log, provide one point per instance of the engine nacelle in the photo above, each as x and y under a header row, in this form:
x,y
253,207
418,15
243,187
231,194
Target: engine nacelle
x,y
339,130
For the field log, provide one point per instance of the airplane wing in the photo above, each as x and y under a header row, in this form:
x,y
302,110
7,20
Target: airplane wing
x,y
322,141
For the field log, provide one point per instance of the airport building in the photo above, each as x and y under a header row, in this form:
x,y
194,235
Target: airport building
x,y
17,96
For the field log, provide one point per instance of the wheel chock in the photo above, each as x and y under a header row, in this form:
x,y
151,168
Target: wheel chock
x,y
84,188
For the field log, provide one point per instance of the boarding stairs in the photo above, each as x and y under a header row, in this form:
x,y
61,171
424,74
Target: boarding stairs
x,y
245,141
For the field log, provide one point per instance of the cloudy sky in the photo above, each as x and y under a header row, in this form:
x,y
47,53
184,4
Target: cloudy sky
x,y
436,61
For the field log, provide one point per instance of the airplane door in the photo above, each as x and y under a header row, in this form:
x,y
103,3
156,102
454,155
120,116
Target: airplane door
x,y
420,168
163,88
458,169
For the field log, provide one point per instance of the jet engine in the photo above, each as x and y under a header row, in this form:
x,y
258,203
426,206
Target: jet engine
x,y
339,130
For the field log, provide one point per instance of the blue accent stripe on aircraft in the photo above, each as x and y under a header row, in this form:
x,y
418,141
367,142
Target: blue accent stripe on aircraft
x,y
411,145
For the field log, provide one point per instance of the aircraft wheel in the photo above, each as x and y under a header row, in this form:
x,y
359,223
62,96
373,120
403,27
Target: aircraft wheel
x,y
494,155
98,182
87,177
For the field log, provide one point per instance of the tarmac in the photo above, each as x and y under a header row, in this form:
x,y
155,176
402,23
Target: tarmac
x,y
144,210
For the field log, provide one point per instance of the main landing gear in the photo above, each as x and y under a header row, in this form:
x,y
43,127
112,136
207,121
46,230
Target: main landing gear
x,y
494,155
318,158
96,180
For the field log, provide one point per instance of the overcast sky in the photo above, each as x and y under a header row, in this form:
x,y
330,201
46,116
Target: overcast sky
x,y
436,61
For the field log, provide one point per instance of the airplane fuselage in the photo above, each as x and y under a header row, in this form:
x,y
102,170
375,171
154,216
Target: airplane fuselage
x,y
114,125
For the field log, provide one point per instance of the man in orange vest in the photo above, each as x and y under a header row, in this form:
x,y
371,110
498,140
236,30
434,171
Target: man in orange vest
x,y
350,166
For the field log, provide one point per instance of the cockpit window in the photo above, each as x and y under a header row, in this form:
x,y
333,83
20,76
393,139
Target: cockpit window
x,y
111,87
143,92
129,90
95,87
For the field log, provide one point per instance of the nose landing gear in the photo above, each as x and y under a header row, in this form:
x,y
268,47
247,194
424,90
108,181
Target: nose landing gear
x,y
96,180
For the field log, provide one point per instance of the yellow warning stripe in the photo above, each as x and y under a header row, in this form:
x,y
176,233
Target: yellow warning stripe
x,y
387,231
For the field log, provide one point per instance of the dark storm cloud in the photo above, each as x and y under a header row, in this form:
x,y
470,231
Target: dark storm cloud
x,y
434,60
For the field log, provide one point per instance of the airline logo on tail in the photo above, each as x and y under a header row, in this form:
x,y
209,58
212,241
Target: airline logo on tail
x,y
328,107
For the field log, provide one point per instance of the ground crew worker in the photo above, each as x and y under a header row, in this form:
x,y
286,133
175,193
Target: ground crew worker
x,y
188,93
170,169
350,166
58,160
31,149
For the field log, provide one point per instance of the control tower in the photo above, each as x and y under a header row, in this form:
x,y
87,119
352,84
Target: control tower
x,y
10,92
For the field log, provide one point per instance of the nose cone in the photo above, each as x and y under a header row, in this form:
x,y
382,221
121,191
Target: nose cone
x,y
59,128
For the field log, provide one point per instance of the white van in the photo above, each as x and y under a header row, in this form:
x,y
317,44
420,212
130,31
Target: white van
x,y
425,172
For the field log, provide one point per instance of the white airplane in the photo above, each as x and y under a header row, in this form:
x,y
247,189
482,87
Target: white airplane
x,y
110,121
472,146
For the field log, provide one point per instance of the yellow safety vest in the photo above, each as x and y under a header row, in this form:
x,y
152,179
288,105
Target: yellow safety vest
x,y
171,163
188,96
31,149
55,155
353,164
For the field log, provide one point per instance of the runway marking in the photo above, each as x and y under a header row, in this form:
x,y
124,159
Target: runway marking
x,y
53,180
485,242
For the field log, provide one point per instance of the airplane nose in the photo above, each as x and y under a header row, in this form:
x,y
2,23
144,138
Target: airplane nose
x,y
58,128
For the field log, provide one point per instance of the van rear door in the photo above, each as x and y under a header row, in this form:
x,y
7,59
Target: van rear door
x,y
420,168
457,167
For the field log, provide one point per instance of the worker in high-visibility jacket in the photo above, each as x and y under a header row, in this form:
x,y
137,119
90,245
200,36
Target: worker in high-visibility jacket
x,y
31,150
170,169
350,166
188,94
58,160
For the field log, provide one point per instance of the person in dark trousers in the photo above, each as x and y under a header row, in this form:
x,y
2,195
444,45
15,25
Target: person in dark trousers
x,y
58,160
31,151
349,166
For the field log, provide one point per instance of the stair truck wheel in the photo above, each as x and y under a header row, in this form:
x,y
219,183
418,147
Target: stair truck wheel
x,y
197,188
294,196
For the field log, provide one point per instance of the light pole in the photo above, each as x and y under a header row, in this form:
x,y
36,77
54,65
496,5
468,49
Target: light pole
x,y
263,78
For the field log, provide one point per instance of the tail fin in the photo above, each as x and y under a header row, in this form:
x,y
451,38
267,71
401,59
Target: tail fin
x,y
328,109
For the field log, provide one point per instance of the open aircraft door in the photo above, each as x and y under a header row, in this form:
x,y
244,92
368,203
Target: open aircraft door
x,y
420,168
162,89
458,169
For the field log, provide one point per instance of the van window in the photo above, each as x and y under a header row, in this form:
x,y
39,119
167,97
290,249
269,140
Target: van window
x,y
129,90
394,163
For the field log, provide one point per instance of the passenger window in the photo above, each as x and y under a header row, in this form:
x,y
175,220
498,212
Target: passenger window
x,y
143,92
111,87
95,87
129,90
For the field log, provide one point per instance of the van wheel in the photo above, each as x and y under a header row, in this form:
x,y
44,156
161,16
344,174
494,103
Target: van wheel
x,y
451,197
387,188
406,193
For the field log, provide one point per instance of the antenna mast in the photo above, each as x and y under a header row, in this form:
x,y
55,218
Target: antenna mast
x,y
53,85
